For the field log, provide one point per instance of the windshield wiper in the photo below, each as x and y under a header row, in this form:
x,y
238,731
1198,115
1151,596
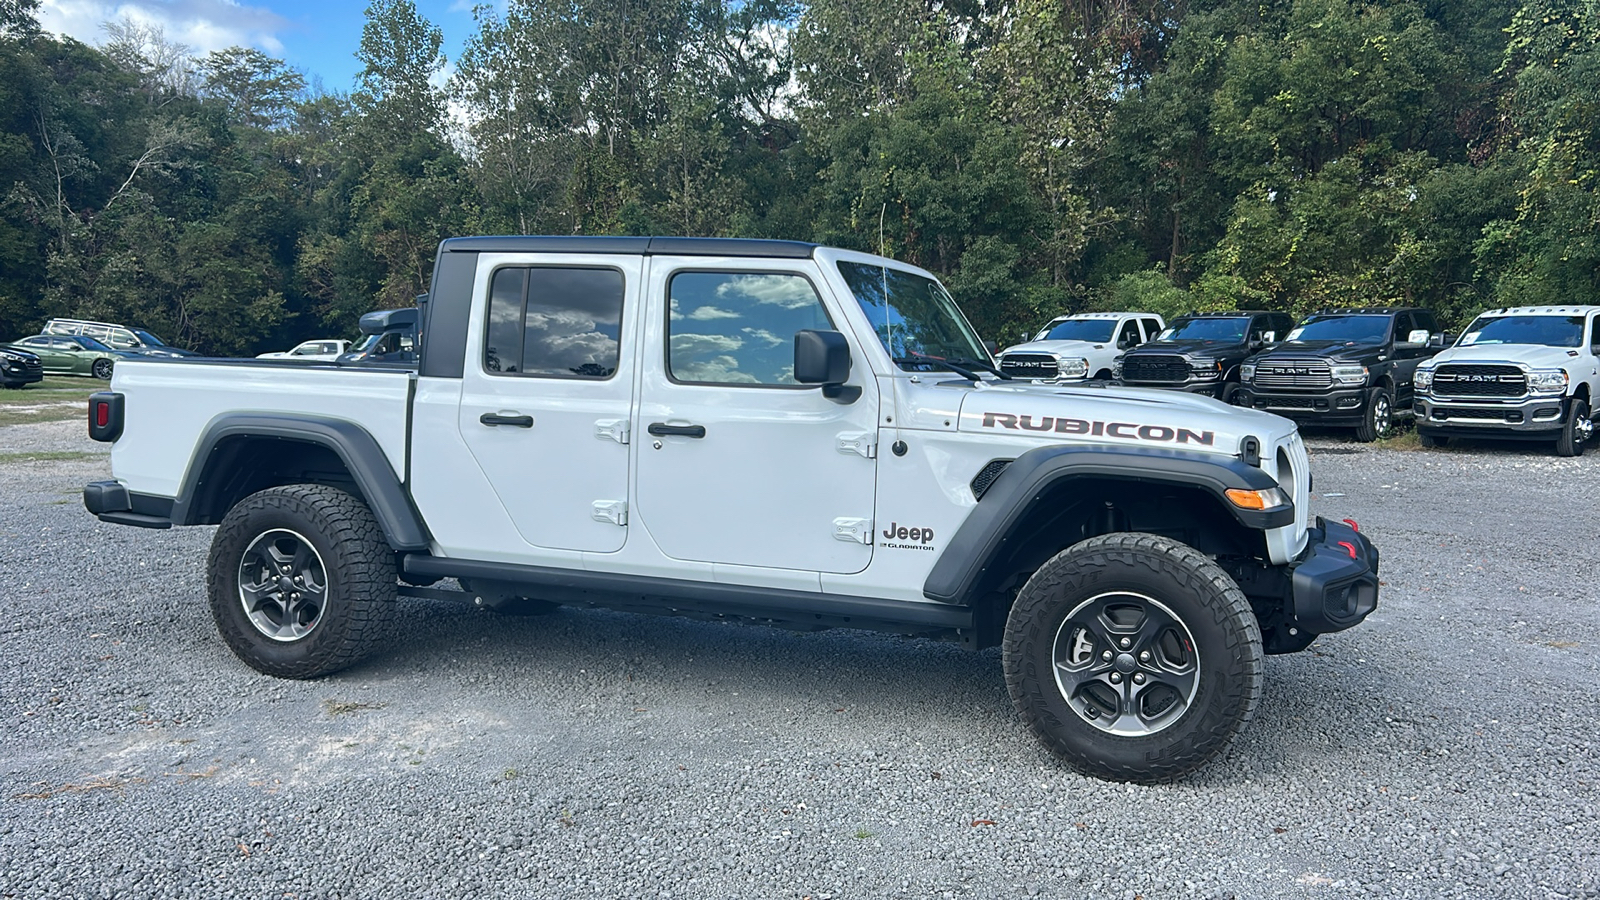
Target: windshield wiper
x,y
980,364
920,360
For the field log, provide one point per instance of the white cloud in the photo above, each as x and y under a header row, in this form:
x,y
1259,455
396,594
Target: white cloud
x,y
204,25
705,313
765,336
787,291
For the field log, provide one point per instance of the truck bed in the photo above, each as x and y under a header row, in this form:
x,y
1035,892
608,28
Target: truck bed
x,y
170,403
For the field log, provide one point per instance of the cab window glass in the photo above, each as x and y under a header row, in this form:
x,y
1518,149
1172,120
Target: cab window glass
x,y
738,327
1151,329
554,322
1129,335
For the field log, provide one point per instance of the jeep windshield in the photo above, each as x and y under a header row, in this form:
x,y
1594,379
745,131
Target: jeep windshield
x,y
1551,331
914,317
1342,329
1229,329
1095,331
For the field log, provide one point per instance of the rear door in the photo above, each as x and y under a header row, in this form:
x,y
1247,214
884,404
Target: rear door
x,y
545,402
738,464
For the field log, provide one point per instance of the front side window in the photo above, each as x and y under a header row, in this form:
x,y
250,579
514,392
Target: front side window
x,y
1130,334
739,327
914,317
554,322
89,343
1551,331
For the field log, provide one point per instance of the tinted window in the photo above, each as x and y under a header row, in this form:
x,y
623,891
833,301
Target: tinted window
x,y
914,317
1230,329
1551,331
1129,335
1426,320
1151,328
738,327
1403,326
89,343
1348,329
556,322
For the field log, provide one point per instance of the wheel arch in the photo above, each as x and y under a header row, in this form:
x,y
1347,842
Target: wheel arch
x,y
1051,498
239,454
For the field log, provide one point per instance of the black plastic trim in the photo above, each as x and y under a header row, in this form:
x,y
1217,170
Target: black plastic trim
x,y
443,353
672,595
355,447
1334,587
111,501
982,536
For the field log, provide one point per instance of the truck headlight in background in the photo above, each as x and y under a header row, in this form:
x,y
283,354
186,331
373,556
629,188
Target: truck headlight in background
x,y
1423,380
1075,367
1350,374
1548,381
1247,372
1205,368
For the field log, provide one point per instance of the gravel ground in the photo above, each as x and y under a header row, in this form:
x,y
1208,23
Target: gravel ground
x,y
1445,748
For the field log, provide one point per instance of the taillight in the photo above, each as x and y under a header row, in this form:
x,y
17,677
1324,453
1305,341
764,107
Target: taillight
x,y
105,416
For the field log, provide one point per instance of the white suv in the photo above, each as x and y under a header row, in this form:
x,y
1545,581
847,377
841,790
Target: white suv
x,y
1080,347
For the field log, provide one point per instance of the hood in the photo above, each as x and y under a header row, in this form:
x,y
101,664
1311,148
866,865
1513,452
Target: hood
x,y
1538,356
1117,415
20,351
1189,347
1333,350
1060,348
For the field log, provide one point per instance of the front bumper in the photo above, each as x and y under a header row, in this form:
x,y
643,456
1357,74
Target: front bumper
x,y
1533,416
1338,406
1335,583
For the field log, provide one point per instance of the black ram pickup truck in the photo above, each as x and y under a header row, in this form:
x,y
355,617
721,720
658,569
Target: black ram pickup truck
x,y
1346,368
1201,352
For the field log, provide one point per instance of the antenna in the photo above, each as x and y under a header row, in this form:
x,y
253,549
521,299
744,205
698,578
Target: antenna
x,y
881,212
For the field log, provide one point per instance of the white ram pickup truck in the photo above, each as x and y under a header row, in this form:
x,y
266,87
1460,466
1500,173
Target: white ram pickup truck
x,y
1530,372
759,431
1080,347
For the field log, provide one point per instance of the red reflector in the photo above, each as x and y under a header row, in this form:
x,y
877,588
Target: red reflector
x,y
102,414
1352,524
1349,546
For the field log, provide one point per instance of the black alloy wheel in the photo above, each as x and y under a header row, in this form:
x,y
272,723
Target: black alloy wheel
x,y
101,369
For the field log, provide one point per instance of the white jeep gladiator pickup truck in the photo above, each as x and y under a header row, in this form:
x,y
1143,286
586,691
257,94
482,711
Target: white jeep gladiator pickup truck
x,y
759,431
1530,372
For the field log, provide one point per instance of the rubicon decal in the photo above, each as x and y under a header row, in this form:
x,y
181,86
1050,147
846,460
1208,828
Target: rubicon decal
x,y
900,537
1132,431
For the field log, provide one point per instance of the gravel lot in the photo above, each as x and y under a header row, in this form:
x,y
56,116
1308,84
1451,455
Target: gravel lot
x,y
1445,748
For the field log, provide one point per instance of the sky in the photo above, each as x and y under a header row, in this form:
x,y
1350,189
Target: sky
x,y
318,38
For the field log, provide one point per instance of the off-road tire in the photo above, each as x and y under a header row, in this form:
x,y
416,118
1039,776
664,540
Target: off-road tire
x,y
1230,393
1373,425
359,578
1432,441
101,369
1196,593
1571,441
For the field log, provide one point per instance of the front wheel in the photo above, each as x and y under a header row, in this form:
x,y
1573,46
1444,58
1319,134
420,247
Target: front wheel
x,y
101,369
1230,394
1576,431
299,578
1378,417
1133,657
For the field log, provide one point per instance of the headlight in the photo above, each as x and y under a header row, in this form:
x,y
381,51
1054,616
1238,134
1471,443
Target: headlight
x,y
1073,368
1350,374
1548,381
1247,372
1423,380
1203,367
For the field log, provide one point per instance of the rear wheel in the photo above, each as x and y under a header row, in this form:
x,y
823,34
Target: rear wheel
x,y
1133,657
298,579
101,369
1577,430
1378,418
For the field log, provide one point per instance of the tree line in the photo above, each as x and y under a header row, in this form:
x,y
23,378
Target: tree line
x,y
1041,156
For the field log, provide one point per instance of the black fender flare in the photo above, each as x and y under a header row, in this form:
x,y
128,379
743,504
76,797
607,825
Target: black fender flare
x,y
982,536
355,446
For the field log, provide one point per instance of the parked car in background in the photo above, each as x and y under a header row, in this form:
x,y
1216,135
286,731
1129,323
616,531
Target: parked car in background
x,y
389,340
117,337
1079,347
61,354
1348,368
1201,353
326,350
18,367
1529,372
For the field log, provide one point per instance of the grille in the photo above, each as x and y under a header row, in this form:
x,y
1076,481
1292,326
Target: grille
x,y
1155,367
31,367
987,475
1307,374
1479,381
1029,365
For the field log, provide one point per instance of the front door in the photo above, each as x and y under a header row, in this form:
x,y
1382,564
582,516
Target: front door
x,y
738,463
545,403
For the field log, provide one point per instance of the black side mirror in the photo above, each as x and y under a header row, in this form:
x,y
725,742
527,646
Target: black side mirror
x,y
823,357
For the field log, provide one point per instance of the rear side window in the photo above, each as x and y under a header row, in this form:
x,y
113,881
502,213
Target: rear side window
x,y
739,327
554,322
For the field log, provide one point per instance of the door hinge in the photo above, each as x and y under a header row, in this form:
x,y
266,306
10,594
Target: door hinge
x,y
612,430
613,511
855,530
864,443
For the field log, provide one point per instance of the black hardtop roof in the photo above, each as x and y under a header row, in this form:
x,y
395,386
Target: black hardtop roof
x,y
1369,311
633,246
